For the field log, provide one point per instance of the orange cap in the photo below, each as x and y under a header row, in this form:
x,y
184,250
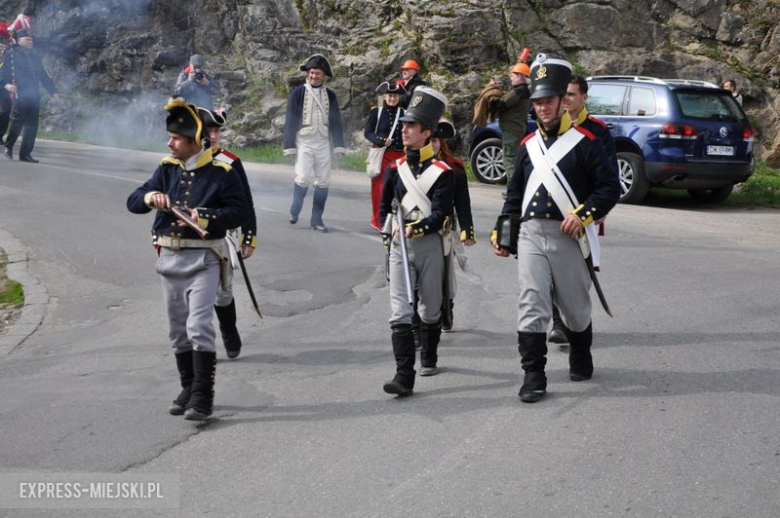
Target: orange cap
x,y
521,68
410,63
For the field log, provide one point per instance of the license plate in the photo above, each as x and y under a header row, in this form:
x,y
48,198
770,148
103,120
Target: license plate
x,y
720,150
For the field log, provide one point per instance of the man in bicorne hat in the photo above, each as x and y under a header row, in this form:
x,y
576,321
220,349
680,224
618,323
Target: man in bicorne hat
x,y
313,135
210,193
422,188
243,243
562,184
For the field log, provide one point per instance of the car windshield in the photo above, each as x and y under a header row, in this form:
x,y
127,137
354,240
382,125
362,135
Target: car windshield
x,y
712,105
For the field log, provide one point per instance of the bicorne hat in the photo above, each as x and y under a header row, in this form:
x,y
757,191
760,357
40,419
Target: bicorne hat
x,y
549,77
426,107
389,88
445,129
183,119
212,118
317,61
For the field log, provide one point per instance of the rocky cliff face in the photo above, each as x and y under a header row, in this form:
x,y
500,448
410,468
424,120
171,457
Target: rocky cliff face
x,y
116,60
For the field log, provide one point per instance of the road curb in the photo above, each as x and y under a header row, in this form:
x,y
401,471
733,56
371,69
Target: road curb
x,y
36,296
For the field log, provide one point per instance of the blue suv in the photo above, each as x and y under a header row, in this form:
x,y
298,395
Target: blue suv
x,y
674,133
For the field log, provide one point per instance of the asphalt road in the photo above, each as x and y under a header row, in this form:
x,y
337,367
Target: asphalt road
x,y
680,419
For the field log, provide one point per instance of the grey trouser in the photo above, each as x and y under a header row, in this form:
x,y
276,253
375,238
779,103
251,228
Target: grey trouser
x,y
190,279
427,268
551,269
510,144
225,290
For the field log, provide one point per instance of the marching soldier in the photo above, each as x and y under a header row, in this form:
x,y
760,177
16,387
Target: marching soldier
x,y
226,304
423,190
574,102
562,184
313,135
208,196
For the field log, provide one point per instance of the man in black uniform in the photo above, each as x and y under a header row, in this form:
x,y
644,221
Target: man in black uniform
x,y
210,193
20,75
562,184
574,102
226,304
423,190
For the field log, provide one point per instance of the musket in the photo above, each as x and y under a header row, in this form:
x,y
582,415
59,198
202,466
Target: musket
x,y
405,255
248,284
184,215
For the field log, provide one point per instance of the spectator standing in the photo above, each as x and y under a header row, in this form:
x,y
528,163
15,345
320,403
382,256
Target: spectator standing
x,y
731,86
512,109
410,72
196,85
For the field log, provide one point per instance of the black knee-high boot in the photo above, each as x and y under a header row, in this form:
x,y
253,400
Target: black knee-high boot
x,y
318,207
580,359
299,193
403,349
227,327
533,353
558,332
201,402
186,373
430,335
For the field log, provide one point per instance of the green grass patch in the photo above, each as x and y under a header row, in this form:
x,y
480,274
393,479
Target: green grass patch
x,y
11,292
262,154
761,190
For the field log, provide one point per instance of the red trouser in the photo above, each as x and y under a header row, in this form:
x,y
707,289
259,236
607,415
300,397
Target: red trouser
x,y
378,183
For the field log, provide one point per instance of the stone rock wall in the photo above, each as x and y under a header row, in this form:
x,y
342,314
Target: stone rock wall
x,y
118,59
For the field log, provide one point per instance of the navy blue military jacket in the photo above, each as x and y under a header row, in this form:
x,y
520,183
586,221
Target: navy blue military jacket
x,y
249,225
462,201
586,169
212,187
441,192
378,133
294,116
599,129
24,68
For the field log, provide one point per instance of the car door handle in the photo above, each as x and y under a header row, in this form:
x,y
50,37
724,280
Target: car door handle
x,y
610,125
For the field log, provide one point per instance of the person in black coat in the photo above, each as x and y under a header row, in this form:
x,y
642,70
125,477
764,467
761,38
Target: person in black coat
x,y
20,75
383,130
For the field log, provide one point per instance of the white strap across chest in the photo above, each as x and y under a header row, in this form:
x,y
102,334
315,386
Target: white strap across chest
x,y
546,172
416,196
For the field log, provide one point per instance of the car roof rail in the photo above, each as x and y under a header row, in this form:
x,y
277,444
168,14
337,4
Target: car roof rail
x,y
641,79
691,82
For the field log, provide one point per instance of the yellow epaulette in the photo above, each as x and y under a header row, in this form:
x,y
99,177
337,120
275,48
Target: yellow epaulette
x,y
223,165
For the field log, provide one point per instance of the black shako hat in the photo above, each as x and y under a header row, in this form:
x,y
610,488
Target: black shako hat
x,y
426,107
445,129
22,33
317,61
183,119
389,88
549,77
212,118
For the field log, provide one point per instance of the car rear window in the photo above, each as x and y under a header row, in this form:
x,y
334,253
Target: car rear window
x,y
605,99
642,102
713,105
